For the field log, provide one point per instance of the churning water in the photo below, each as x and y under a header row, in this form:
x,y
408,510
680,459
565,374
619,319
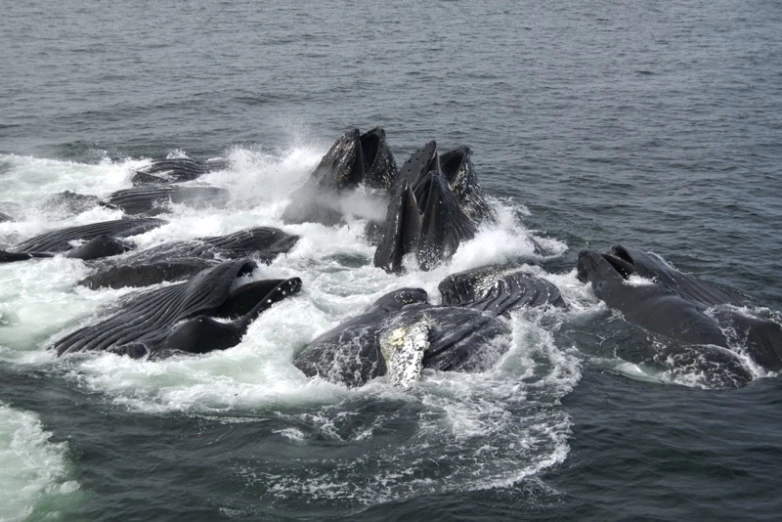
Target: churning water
x,y
651,125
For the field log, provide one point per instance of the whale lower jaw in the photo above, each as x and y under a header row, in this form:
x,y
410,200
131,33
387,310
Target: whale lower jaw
x,y
403,349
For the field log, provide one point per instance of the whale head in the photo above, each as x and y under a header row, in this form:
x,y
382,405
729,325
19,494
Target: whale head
x,y
379,166
618,264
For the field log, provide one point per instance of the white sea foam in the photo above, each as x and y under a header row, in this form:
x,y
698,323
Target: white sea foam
x,y
475,427
636,280
34,469
476,431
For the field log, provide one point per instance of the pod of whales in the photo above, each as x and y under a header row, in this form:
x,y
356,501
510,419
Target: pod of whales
x,y
423,210
181,259
401,333
433,203
208,312
678,306
101,240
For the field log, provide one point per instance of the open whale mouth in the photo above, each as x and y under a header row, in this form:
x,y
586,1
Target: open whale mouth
x,y
370,146
257,296
617,259
453,163
621,261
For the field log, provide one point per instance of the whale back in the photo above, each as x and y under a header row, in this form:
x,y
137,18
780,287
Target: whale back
x,y
124,275
175,170
264,242
144,199
60,240
688,287
98,247
180,259
498,290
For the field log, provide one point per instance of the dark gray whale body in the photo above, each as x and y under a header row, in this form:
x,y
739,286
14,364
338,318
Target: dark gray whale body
x,y
459,173
401,333
59,240
208,312
355,159
181,259
100,247
435,204
426,220
150,199
677,305
102,240
176,170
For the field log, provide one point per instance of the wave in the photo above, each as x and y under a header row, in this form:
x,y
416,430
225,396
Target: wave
x,y
34,471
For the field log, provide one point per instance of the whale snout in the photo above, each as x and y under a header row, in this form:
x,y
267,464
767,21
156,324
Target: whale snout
x,y
586,264
294,285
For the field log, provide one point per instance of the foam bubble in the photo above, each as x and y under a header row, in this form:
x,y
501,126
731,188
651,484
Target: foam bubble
x,y
636,280
34,469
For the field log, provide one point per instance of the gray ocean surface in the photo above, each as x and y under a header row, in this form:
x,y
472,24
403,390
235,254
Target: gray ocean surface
x,y
652,124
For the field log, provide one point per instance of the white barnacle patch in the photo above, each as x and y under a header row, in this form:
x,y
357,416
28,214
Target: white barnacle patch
x,y
403,349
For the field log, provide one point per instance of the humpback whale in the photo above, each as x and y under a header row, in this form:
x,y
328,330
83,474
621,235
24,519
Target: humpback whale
x,y
12,257
354,159
149,199
98,238
426,220
678,306
181,259
435,204
176,170
458,171
99,247
208,312
401,333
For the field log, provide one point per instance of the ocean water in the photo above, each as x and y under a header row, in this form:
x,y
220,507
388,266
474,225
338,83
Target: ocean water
x,y
647,124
